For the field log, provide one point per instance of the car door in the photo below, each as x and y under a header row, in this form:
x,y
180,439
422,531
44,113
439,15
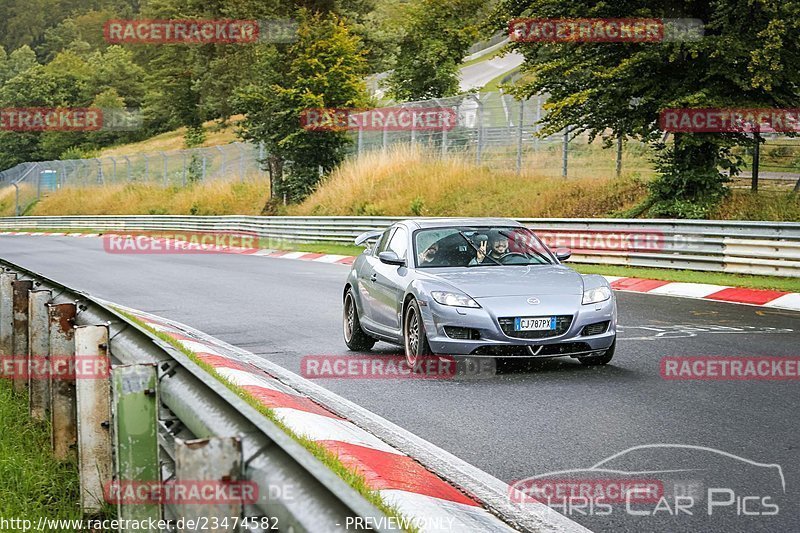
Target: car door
x,y
390,283
366,278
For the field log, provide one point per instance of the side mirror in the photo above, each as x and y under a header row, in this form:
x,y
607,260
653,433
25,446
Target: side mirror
x,y
390,258
562,254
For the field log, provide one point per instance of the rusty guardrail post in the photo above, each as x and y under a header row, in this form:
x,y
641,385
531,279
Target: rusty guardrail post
x,y
7,313
216,460
20,355
63,404
93,394
39,363
135,401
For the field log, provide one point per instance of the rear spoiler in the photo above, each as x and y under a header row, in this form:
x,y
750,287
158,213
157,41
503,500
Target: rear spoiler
x,y
367,235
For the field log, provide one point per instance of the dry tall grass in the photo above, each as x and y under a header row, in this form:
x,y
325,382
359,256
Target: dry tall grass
x,y
174,140
214,198
408,181
7,201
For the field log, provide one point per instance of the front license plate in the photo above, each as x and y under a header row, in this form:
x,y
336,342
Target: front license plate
x,y
535,324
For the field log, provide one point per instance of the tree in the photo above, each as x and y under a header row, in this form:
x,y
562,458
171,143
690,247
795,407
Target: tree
x,y
747,58
323,68
437,35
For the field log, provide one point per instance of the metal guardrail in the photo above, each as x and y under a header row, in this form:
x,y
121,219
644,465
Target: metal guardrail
x,y
157,417
762,248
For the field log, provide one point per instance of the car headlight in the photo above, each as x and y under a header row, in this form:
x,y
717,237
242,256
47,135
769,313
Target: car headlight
x,y
598,294
455,299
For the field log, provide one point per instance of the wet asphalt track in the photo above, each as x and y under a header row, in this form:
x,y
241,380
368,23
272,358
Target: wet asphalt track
x,y
532,417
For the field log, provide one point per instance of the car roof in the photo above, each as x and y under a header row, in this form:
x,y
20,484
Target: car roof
x,y
424,223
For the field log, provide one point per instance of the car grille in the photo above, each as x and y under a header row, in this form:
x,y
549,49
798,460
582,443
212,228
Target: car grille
x,y
562,325
595,329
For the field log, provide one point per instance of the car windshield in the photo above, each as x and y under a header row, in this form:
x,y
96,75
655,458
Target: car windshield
x,y
464,246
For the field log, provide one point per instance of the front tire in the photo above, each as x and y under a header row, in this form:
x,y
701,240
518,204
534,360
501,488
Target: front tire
x,y
354,336
415,339
596,360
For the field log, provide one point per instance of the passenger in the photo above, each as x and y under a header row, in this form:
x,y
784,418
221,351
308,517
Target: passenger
x,y
427,257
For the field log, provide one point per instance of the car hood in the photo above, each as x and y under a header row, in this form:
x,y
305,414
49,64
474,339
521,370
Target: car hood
x,y
488,281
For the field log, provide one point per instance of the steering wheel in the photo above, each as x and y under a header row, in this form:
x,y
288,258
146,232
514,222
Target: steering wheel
x,y
514,258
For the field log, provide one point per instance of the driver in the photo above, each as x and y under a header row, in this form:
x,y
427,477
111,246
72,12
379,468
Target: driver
x,y
495,247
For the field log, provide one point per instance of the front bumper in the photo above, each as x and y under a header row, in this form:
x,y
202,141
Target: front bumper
x,y
492,341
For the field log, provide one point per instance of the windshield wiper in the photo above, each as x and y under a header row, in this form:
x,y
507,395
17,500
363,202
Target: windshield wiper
x,y
477,250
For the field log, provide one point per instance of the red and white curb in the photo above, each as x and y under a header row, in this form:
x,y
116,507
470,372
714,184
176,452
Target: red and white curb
x,y
719,293
424,498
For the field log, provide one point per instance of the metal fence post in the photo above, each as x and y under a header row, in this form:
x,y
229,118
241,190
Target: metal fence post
x,y
479,125
100,179
215,460
519,136
166,177
564,152
135,401
756,161
184,168
114,163
205,161
128,166
39,361
538,118
21,287
241,161
7,313
146,168
63,404
360,138
619,156
93,394
385,138
16,199
222,162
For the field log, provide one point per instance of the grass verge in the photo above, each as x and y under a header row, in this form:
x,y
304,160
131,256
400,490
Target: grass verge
x,y
32,483
330,460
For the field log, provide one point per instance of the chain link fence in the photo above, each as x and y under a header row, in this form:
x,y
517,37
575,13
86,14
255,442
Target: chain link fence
x,y
177,168
492,129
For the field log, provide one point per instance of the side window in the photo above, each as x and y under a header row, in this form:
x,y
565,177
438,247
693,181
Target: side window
x,y
382,242
399,243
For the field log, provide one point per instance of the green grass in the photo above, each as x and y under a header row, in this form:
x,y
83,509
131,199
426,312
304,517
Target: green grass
x,y
32,483
691,276
330,460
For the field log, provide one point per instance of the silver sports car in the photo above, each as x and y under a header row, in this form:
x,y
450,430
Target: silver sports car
x,y
475,287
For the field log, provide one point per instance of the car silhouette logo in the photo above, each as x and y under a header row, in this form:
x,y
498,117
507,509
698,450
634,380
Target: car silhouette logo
x,y
533,301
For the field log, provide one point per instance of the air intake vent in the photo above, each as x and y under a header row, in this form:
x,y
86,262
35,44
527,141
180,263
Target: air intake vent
x,y
595,329
456,332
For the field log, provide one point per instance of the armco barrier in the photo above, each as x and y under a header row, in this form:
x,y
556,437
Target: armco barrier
x,y
138,410
165,441
764,248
